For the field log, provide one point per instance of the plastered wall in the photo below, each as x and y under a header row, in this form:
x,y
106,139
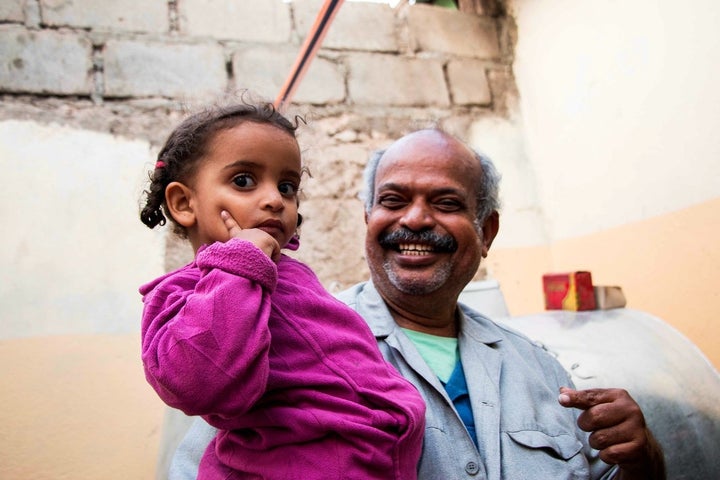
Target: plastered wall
x,y
618,121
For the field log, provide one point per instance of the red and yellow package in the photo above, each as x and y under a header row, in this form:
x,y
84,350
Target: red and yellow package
x,y
568,291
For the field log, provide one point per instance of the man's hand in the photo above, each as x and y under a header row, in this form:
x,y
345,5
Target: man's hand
x,y
262,240
618,431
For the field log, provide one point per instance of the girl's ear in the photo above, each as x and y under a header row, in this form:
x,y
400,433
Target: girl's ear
x,y
178,198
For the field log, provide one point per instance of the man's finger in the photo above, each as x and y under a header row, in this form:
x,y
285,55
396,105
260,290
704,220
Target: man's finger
x,y
584,399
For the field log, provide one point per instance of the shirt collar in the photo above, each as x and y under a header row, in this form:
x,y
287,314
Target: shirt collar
x,y
477,326
371,306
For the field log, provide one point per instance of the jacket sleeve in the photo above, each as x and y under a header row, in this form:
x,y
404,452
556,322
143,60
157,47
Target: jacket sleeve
x,y
205,337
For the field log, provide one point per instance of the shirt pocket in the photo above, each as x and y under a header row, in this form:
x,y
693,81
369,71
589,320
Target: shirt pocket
x,y
539,455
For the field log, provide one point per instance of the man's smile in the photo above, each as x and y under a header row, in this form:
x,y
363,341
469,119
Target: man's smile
x,y
423,243
415,249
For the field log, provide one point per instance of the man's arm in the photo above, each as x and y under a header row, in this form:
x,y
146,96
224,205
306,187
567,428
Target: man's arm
x,y
186,459
618,431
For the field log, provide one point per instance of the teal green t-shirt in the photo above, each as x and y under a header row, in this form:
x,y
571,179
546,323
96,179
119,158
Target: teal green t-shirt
x,y
442,356
440,353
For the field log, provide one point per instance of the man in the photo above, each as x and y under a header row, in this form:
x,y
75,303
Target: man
x,y
493,409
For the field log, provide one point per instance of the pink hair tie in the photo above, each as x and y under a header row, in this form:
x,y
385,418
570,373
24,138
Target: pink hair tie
x,y
159,164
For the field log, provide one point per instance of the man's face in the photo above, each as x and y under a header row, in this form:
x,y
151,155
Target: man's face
x,y
422,232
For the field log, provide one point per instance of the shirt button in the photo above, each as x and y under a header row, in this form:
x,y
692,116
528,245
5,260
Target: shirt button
x,y
472,468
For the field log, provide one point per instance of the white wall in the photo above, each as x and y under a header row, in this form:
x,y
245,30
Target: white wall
x,y
620,107
73,252
522,222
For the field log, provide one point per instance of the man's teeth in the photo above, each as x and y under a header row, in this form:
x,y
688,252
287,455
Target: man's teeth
x,y
414,249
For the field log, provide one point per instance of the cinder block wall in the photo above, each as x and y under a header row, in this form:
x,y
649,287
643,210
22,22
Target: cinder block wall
x,y
132,68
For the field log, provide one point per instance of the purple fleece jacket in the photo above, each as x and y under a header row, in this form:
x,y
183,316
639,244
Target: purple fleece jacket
x,y
291,376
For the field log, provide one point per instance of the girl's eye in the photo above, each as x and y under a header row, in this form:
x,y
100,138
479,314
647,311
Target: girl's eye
x,y
288,189
244,181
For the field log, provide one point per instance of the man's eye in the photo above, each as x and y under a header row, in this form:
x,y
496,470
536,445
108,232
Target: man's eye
x,y
243,181
391,202
448,205
288,189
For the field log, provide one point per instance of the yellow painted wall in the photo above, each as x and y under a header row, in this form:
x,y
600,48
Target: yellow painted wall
x,y
77,408
668,266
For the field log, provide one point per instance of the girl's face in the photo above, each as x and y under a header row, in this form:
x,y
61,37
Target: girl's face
x,y
253,171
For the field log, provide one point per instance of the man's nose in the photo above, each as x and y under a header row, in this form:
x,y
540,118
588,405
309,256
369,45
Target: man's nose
x,y
417,217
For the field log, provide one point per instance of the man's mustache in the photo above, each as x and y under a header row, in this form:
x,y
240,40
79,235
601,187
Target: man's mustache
x,y
440,243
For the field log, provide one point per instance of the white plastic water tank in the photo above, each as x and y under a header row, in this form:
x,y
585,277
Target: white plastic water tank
x,y
674,383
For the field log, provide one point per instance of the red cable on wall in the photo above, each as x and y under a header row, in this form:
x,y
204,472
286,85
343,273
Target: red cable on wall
x,y
312,43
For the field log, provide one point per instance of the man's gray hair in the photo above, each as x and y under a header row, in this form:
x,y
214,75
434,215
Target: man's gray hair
x,y
488,188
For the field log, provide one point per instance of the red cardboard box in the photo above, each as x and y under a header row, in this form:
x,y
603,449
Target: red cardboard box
x,y
568,291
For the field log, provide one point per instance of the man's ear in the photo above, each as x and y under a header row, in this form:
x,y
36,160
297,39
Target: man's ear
x,y
490,230
178,198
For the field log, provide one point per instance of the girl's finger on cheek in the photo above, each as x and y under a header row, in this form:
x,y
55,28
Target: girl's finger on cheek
x,y
230,222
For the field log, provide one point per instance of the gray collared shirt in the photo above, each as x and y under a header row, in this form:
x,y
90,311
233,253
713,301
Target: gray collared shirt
x,y
522,430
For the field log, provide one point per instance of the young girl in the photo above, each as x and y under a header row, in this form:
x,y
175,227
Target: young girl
x,y
246,336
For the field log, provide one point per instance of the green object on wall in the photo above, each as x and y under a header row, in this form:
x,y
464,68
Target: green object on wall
x,y
441,3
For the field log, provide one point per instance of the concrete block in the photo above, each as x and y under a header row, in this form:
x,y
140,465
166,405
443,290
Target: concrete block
x,y
336,170
505,93
468,82
453,32
356,26
323,83
390,80
140,68
332,241
264,70
12,10
47,62
266,21
124,15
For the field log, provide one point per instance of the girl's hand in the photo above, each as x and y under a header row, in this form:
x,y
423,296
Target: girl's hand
x,y
260,239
